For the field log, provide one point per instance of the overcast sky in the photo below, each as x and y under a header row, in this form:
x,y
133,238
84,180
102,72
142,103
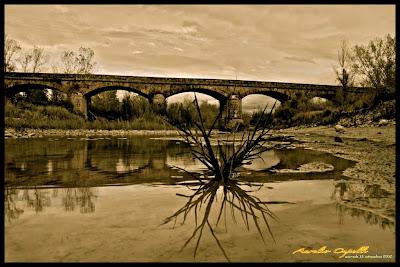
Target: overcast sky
x,y
290,43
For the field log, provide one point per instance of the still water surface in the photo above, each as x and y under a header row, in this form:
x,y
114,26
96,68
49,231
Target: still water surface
x,y
105,199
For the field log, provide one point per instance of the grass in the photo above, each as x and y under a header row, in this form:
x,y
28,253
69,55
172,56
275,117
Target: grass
x,y
26,115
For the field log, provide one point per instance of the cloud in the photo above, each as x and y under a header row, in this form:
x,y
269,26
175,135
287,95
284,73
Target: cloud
x,y
190,27
116,33
293,43
61,9
178,48
300,59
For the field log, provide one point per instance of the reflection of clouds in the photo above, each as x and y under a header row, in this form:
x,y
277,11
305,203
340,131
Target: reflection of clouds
x,y
121,167
123,164
267,160
49,166
186,162
23,166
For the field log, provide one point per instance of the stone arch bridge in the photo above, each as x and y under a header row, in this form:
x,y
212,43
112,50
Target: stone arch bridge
x,y
80,88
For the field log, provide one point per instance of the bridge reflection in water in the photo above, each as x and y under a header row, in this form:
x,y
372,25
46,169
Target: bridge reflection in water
x,y
72,162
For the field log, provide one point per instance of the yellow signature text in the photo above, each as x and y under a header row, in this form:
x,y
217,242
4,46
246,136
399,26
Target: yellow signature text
x,y
341,251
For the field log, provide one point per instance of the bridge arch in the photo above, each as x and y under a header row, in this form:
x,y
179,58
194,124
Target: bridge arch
x,y
17,88
99,90
329,97
281,97
255,102
215,94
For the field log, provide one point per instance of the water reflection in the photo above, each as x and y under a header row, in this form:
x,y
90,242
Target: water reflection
x,y
234,198
36,198
83,197
18,200
365,200
12,212
80,162
267,160
369,216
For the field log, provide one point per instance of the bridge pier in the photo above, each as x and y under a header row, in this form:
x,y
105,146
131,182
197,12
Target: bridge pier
x,y
80,104
231,113
159,104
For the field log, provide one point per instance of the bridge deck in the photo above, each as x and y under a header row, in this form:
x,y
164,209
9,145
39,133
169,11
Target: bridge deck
x,y
58,78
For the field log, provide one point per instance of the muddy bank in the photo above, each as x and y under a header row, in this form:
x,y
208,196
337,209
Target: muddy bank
x,y
371,182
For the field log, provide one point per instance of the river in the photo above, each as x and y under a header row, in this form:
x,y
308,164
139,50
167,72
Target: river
x,y
105,199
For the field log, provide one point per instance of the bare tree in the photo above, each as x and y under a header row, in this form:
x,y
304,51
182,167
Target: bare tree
x,y
85,60
39,58
54,68
80,63
11,49
25,60
344,73
68,60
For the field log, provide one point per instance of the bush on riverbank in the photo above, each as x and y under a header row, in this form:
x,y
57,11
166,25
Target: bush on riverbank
x,y
353,112
27,115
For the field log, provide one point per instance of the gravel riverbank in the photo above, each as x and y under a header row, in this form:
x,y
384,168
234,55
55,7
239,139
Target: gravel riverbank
x,y
31,133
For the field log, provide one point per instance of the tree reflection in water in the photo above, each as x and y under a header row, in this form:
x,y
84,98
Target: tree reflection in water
x,y
12,212
82,197
40,198
234,198
364,200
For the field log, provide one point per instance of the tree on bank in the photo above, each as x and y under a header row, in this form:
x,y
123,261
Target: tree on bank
x,y
343,71
11,50
39,59
81,62
25,60
106,105
375,63
33,60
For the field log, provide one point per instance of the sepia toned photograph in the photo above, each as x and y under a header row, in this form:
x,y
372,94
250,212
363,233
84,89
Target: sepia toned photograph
x,y
199,133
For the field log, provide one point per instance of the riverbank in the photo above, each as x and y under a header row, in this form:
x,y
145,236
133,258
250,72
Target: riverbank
x,y
371,184
37,133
